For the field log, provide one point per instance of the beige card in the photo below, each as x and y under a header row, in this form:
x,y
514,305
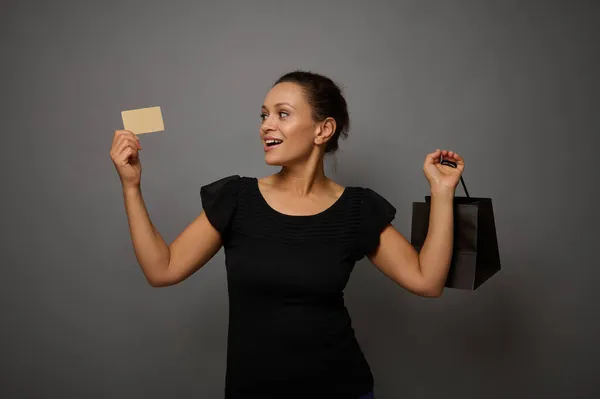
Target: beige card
x,y
143,120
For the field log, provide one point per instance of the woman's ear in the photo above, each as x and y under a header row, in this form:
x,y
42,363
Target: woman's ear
x,y
326,131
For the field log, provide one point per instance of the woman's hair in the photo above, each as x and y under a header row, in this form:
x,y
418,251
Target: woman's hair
x,y
325,99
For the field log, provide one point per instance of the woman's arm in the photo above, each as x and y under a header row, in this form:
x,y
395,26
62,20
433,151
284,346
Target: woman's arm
x,y
164,264
423,274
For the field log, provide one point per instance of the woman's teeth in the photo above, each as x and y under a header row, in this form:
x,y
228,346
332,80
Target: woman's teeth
x,y
272,142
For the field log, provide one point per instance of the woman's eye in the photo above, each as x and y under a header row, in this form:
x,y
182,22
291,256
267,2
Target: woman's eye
x,y
282,114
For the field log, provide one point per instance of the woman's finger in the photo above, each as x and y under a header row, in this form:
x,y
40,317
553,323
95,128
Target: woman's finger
x,y
124,146
433,157
458,158
121,135
128,140
127,154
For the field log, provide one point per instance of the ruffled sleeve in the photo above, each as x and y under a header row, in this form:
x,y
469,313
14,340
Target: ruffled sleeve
x,y
219,200
377,214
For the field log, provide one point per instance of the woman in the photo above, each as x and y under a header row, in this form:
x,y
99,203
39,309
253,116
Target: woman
x,y
291,241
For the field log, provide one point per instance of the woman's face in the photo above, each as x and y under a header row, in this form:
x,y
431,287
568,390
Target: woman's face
x,y
287,129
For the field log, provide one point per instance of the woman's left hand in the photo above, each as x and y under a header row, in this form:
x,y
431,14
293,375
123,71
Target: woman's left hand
x,y
443,178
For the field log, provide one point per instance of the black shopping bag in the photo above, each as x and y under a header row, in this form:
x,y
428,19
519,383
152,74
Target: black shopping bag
x,y
475,255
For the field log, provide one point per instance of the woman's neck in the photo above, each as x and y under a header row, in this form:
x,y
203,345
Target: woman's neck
x,y
302,179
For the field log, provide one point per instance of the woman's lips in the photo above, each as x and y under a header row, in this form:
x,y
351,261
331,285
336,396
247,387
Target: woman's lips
x,y
268,148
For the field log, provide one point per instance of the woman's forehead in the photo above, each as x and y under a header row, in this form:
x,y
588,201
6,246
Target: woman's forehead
x,y
286,92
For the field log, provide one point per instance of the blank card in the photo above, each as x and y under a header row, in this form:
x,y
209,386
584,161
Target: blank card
x,y
143,120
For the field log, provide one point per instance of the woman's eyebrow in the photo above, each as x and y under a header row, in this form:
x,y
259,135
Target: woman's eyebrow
x,y
279,104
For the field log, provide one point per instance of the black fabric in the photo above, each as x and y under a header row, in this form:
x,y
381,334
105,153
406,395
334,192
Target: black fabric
x,y
290,334
219,200
378,214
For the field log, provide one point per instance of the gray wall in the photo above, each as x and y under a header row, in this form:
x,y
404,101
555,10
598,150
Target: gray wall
x,y
507,84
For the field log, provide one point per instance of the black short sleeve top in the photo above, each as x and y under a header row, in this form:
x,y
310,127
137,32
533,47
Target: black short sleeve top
x,y
290,334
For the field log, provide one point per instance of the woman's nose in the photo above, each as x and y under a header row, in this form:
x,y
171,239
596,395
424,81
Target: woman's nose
x,y
268,124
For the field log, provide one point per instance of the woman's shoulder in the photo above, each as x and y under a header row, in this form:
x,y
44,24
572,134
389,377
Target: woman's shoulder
x,y
370,201
365,193
225,186
229,180
220,199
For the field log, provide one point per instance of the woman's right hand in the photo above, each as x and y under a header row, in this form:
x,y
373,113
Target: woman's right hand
x,y
125,157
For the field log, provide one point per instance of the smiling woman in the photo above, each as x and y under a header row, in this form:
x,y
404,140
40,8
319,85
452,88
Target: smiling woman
x,y
290,334
297,103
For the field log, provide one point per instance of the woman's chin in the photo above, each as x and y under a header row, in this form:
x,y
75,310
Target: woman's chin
x,y
283,159
272,161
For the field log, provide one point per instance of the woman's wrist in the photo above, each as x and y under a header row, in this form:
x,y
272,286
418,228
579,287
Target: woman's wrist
x,y
442,192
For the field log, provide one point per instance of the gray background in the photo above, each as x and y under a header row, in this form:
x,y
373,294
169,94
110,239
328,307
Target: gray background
x,y
510,85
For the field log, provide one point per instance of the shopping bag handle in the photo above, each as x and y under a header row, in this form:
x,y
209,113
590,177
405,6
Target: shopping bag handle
x,y
453,165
